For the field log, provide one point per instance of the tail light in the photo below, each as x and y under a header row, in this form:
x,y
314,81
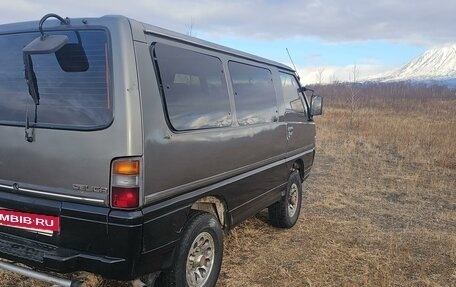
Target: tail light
x,y
126,183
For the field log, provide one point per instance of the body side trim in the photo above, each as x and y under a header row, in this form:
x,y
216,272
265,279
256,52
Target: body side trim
x,y
226,178
53,195
259,196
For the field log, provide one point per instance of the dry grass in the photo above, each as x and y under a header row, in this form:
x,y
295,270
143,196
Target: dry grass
x,y
380,208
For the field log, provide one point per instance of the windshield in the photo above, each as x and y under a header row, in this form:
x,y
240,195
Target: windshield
x,y
70,97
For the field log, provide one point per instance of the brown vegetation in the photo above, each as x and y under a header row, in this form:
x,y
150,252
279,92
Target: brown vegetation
x,y
381,200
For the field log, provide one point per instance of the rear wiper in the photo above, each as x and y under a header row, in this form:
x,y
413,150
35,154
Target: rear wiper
x,y
45,44
30,78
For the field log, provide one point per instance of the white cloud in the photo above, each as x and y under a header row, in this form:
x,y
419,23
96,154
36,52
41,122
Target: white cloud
x,y
19,10
330,20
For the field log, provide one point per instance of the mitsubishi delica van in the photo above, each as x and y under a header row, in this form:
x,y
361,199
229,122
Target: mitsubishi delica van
x,y
127,150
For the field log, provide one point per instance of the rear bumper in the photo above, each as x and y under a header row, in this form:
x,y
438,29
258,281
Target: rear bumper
x,y
112,250
91,238
128,262
53,258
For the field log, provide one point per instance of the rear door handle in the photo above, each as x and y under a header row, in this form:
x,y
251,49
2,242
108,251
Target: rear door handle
x,y
290,131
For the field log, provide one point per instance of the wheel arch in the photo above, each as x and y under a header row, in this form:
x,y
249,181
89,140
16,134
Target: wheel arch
x,y
299,166
215,206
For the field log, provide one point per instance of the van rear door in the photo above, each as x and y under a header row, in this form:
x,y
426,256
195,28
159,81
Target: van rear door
x,y
68,159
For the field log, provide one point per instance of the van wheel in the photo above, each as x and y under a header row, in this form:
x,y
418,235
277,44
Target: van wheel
x,y
199,254
285,213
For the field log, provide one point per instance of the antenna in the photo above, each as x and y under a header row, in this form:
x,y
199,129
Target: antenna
x,y
296,70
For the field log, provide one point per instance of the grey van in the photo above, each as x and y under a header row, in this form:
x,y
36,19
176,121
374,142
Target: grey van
x,y
126,149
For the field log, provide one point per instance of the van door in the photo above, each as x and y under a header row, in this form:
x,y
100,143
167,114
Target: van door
x,y
300,129
74,140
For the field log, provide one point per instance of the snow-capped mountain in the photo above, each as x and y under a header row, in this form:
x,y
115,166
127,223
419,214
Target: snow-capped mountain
x,y
437,64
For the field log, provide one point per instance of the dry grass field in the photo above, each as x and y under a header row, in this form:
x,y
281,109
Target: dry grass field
x,y
380,208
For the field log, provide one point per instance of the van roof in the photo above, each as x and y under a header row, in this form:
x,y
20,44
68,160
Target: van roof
x,y
146,29
154,30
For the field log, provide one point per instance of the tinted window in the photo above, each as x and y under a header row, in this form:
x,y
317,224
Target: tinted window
x,y
73,93
293,101
194,88
254,94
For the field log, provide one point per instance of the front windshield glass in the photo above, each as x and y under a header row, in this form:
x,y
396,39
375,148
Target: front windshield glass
x,y
70,96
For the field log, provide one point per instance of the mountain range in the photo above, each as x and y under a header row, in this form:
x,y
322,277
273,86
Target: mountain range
x,y
437,65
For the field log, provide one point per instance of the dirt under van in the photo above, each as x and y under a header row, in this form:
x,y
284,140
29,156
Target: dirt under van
x,y
126,149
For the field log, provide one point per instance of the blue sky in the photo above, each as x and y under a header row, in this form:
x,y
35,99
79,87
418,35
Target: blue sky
x,y
374,55
325,37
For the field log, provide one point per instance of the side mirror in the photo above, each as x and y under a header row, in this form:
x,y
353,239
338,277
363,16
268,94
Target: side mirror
x,y
316,106
72,58
304,89
46,44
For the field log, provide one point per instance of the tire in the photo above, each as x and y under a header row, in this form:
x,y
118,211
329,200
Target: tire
x,y
198,256
285,213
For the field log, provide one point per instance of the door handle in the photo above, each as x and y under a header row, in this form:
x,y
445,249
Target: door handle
x,y
290,131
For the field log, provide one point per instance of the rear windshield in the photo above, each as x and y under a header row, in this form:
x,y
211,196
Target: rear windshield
x,y
73,84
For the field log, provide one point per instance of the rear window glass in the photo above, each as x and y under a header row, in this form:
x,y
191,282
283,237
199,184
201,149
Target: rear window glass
x,y
194,88
74,89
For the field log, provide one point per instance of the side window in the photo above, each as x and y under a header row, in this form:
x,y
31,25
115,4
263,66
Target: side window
x,y
194,88
254,94
293,100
